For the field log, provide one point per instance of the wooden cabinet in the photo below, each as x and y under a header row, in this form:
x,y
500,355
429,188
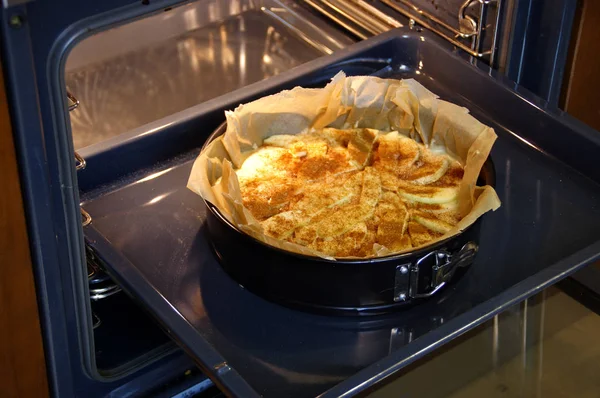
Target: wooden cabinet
x,y
581,91
22,363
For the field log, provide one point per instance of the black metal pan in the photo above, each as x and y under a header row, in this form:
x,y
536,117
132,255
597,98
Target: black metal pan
x,y
346,286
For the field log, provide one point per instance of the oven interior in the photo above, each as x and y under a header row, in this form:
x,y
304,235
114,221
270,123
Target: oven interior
x,y
132,80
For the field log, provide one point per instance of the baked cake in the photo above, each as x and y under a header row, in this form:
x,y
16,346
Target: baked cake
x,y
352,192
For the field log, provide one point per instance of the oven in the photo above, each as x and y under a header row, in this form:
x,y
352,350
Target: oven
x,y
111,101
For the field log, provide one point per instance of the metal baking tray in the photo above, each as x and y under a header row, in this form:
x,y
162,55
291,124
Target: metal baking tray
x,y
149,231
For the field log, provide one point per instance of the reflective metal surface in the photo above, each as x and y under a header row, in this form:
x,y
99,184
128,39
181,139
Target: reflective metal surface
x,y
79,162
135,74
452,14
471,25
73,102
546,346
86,219
357,16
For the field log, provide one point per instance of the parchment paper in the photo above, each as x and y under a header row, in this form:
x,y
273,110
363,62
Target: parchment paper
x,y
346,102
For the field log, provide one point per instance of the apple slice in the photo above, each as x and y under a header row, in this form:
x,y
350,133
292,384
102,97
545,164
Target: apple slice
x,y
282,225
427,194
360,146
347,244
429,172
343,219
281,140
432,223
420,235
396,153
371,188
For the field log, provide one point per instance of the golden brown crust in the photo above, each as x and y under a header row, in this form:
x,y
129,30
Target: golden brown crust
x,y
344,192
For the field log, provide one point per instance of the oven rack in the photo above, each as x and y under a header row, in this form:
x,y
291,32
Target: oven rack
x,y
79,160
100,284
475,19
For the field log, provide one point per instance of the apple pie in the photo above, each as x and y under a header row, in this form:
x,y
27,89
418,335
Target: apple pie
x,y
362,168
346,193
